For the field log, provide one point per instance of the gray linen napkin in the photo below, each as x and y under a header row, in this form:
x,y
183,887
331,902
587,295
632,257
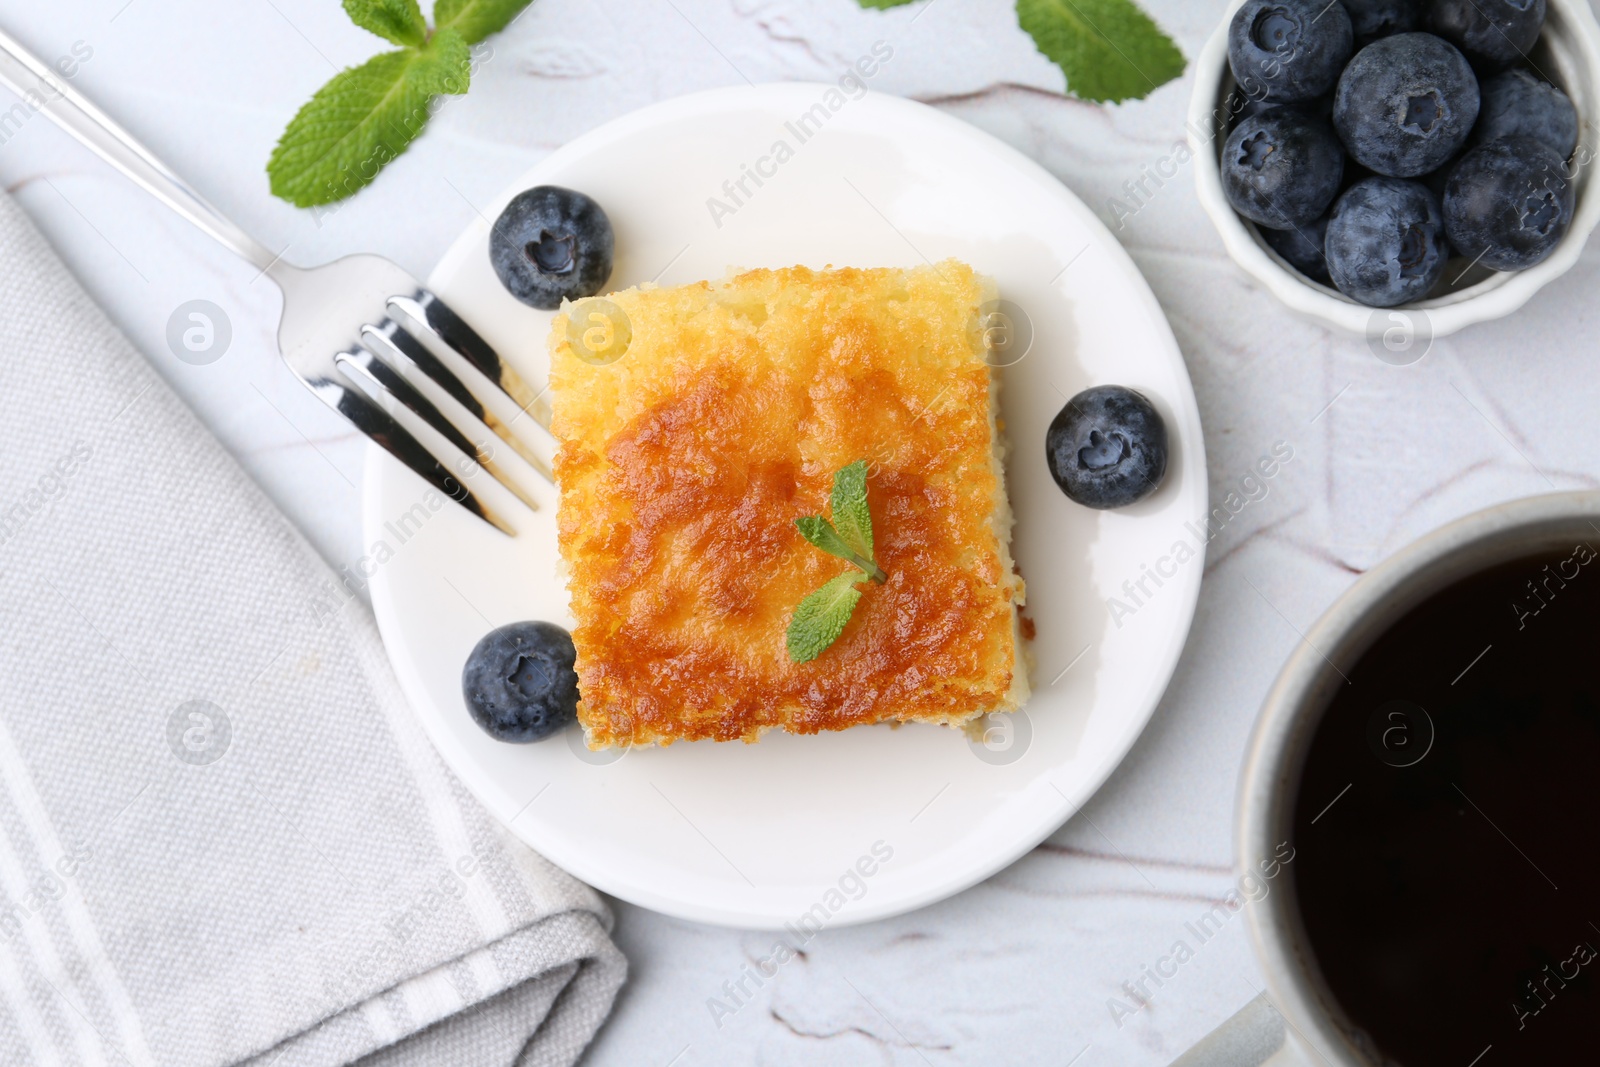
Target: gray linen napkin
x,y
222,837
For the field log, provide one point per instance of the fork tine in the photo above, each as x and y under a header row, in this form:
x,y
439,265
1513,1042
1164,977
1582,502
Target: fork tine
x,y
400,339
370,363
428,311
381,427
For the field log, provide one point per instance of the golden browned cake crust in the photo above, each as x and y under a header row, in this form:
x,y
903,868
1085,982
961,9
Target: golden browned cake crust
x,y
683,465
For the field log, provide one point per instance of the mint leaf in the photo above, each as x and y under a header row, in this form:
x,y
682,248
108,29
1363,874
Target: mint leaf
x,y
820,532
821,617
363,118
850,515
445,63
1108,49
399,21
884,5
476,19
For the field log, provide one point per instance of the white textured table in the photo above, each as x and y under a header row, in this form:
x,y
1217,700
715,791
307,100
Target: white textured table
x,y
1023,968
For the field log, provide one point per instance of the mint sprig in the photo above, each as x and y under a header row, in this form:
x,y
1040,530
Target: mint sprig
x,y
367,115
821,617
1109,50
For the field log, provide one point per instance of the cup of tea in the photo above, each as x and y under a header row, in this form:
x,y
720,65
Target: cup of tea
x,y
1427,761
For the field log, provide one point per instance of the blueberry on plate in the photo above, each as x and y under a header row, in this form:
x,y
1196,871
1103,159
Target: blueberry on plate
x,y
551,244
1493,33
1281,168
1371,19
1405,104
1386,242
519,682
1508,203
1107,447
1302,247
1518,102
1288,50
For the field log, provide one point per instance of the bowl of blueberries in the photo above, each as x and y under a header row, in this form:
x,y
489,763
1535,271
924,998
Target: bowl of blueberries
x,y
1364,158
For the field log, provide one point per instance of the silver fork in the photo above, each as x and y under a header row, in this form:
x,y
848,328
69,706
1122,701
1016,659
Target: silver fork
x,y
360,320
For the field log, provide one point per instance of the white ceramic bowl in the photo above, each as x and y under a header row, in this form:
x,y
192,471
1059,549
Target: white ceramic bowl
x,y
1568,52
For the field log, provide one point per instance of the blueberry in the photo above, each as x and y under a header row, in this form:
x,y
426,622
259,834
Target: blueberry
x,y
1281,167
1493,33
1371,19
1405,104
519,682
1107,447
1385,242
1288,50
1302,247
1518,102
1508,203
551,244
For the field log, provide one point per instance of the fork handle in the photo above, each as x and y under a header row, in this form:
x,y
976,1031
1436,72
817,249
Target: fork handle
x,y
43,89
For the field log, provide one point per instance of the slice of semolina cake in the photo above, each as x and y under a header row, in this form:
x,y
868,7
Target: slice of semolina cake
x,y
696,424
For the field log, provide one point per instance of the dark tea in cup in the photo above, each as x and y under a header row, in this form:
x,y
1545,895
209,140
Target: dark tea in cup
x,y
1447,825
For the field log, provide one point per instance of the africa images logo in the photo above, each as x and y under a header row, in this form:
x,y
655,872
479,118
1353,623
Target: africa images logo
x,y
852,884
199,732
48,488
852,85
1253,487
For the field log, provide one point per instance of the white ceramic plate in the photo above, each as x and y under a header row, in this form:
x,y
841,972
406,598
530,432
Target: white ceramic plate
x,y
759,835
